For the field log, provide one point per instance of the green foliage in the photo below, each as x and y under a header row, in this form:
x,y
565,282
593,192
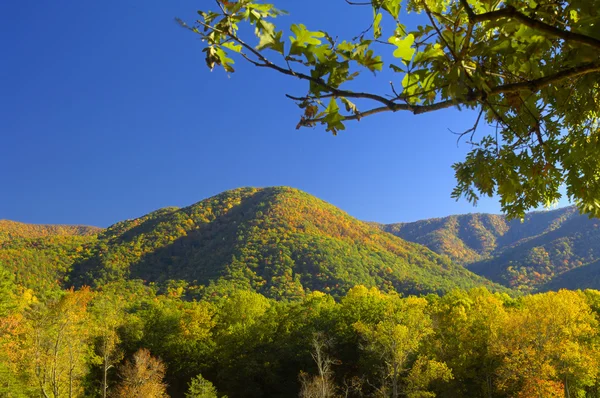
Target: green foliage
x,y
528,68
237,287
466,343
43,264
201,388
41,256
10,230
280,242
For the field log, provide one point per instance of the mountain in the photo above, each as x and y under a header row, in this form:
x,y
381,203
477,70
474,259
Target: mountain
x,y
277,241
41,256
14,230
536,254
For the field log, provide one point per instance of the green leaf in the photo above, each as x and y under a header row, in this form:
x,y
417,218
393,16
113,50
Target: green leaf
x,y
393,7
232,46
377,26
305,37
272,41
404,49
333,118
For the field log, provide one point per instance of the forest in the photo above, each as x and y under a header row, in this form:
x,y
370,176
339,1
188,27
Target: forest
x,y
126,339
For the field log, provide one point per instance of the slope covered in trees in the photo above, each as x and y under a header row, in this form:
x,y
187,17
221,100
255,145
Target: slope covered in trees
x,y
41,256
538,253
277,241
12,230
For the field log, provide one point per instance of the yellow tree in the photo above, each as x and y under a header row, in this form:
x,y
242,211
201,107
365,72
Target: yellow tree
x,y
396,341
14,301
142,377
548,346
59,344
107,309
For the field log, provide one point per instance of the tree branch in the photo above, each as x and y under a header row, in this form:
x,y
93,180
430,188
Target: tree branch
x,y
415,109
392,104
537,84
511,12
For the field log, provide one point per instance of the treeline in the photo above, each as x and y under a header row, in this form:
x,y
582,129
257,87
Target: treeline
x,y
130,340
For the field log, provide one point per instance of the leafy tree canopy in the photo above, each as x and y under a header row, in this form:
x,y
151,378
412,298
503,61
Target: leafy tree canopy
x,y
528,68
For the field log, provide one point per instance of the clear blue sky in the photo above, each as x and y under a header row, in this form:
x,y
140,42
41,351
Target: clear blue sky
x,y
107,112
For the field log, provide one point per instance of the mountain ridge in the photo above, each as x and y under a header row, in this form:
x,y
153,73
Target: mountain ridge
x,y
279,241
525,255
14,229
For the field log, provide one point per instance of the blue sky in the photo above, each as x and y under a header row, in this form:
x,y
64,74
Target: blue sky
x,y
108,112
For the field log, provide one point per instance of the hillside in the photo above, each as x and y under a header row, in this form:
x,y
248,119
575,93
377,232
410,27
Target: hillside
x,y
544,249
13,230
277,241
41,256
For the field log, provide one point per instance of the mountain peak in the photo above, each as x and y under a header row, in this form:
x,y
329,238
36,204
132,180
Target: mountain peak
x,y
279,241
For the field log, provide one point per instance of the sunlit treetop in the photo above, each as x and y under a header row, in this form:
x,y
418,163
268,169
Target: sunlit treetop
x,y
528,68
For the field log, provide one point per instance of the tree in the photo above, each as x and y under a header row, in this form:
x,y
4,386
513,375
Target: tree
x,y
108,309
321,385
396,341
58,344
529,69
142,377
199,387
468,324
14,381
548,348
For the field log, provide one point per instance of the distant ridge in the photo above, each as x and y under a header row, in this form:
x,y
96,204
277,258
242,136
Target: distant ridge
x,y
541,252
13,229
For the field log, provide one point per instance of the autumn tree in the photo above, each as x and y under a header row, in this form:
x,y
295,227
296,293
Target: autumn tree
x,y
528,69
468,324
58,346
142,377
547,347
15,380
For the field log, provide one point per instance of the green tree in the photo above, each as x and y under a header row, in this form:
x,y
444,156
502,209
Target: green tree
x,y
108,313
528,68
468,324
201,388
396,340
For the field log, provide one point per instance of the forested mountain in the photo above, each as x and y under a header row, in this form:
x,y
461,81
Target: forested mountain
x,y
277,241
41,256
545,250
282,242
12,230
